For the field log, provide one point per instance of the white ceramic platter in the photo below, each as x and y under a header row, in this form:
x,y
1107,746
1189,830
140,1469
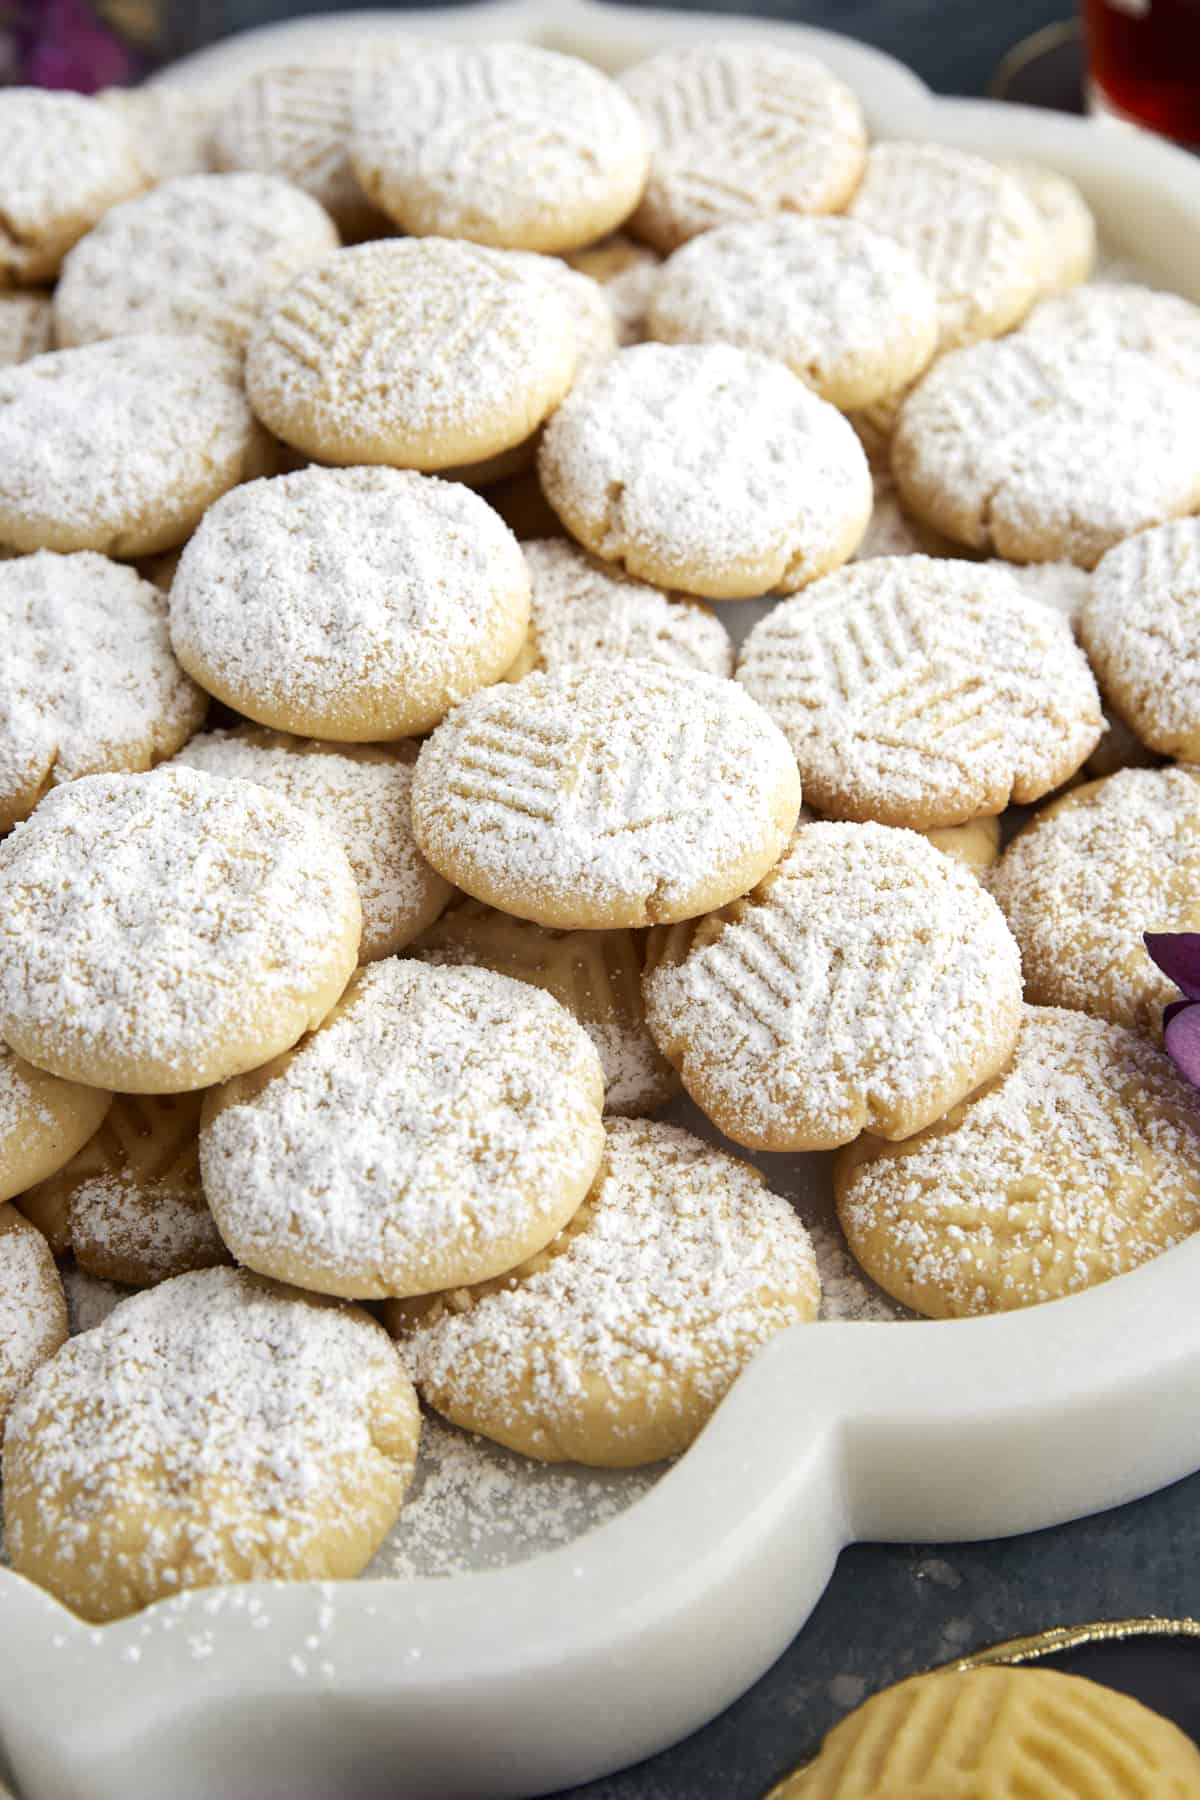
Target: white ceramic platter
x,y
515,1682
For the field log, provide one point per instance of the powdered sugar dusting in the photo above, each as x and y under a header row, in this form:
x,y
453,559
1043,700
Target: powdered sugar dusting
x,y
1141,629
1057,584
1106,316
33,1314
64,160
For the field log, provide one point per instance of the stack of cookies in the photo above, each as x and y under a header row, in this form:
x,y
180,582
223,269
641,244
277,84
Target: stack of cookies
x,y
393,827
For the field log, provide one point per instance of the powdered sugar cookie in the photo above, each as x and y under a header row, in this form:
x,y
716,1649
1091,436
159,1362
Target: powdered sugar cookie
x,y
161,932
1057,584
439,1127
43,1122
918,692
740,130
1068,228
202,254
506,144
976,844
354,604
845,307
1080,1162
64,160
1092,872
171,127
1043,448
26,327
608,795
421,353
1106,316
362,794
121,446
596,975
587,611
970,227
702,467
89,681
1141,630
866,985
218,1428
617,1343
33,1311
627,271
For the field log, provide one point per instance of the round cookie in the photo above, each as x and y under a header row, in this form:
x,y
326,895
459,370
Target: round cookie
x,y
1105,316
584,611
970,228
43,1122
420,353
705,468
627,271
64,160
165,931
505,144
33,1310
1088,876
1047,448
1141,630
129,1205
121,446
866,985
353,604
199,255
171,127
616,1344
976,844
89,682
738,131
919,692
596,975
219,1428
846,308
362,794
443,1124
608,795
26,327
1001,1731
1068,228
1079,1162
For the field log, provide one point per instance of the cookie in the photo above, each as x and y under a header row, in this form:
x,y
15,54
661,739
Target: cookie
x,y
1001,1731
171,127
1048,448
1068,228
627,271
33,1311
585,611
43,1122
604,796
705,468
741,130
616,1344
216,1429
352,604
362,794
1088,876
89,681
1079,1162
596,975
1141,630
129,1205
26,327
866,984
1106,316
1056,584
64,160
846,308
121,446
918,692
420,353
165,931
976,844
443,1124
970,228
199,255
505,144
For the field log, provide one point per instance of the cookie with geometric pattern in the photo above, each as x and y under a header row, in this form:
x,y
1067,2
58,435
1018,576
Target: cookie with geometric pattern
x,y
1141,630
1079,1162
64,160
26,327
171,126
1092,872
506,144
203,254
43,1121
1104,316
922,692
1068,228
999,1732
606,795
597,976
867,984
33,1308
421,353
739,131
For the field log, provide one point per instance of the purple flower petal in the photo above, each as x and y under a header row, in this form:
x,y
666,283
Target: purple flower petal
x,y
1182,1039
1177,954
